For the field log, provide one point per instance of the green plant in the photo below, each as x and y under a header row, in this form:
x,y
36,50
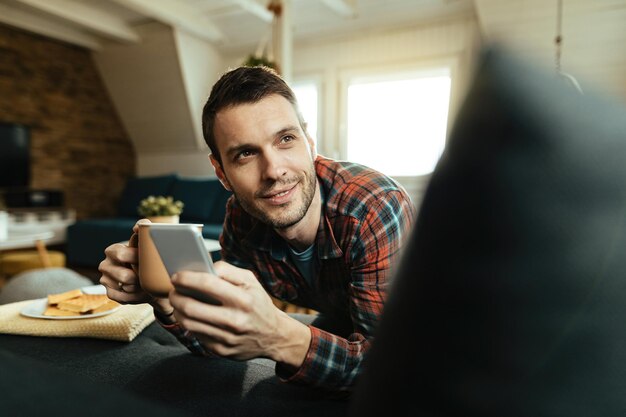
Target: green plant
x,y
160,206
253,61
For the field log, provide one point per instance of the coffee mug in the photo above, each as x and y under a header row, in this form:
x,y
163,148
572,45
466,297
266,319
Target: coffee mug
x,y
153,276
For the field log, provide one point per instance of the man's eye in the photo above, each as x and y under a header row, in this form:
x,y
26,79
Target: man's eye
x,y
287,139
243,155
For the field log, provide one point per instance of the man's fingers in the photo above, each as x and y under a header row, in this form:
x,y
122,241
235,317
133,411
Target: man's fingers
x,y
127,294
121,254
121,273
140,221
233,274
218,316
213,286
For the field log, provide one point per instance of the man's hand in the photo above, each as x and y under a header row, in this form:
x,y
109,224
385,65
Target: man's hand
x,y
121,281
246,324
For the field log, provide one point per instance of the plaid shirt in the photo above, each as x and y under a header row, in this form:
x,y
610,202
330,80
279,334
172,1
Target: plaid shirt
x,y
366,217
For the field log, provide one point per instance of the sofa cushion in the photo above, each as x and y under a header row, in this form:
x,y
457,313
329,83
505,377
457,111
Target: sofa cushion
x,y
204,199
218,212
87,239
212,231
39,283
138,188
32,387
513,282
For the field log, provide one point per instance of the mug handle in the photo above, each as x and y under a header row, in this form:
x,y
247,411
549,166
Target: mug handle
x,y
133,242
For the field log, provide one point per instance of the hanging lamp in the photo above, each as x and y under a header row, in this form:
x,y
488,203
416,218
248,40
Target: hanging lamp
x,y
264,53
558,41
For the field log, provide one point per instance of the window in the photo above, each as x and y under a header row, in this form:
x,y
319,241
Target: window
x,y
307,94
396,123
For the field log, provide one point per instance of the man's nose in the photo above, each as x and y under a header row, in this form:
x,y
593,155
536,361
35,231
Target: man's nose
x,y
274,166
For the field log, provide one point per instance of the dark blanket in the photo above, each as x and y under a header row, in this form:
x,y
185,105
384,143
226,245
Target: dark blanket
x,y
153,367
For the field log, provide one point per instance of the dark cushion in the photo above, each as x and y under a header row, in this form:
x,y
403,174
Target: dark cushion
x,y
87,239
203,199
137,189
218,212
212,231
512,286
154,368
31,388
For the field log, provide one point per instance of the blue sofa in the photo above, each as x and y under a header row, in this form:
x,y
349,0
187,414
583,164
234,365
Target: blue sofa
x,y
204,198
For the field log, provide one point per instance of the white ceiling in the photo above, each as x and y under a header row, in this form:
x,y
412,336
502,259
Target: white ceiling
x,y
594,30
232,25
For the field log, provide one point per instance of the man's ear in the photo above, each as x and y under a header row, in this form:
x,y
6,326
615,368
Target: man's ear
x,y
219,172
312,146
309,140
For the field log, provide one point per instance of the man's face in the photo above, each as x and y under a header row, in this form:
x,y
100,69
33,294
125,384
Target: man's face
x,y
267,160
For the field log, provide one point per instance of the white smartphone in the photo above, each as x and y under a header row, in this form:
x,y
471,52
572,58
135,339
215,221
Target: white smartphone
x,y
181,247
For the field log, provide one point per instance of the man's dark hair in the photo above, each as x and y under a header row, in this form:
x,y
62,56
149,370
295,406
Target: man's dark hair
x,y
239,86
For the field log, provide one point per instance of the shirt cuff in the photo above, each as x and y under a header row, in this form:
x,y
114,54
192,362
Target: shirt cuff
x,y
301,374
185,337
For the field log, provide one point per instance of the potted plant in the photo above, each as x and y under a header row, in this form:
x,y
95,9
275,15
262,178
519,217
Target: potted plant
x,y
260,60
160,209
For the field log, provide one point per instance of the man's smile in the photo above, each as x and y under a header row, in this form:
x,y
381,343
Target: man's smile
x,y
279,197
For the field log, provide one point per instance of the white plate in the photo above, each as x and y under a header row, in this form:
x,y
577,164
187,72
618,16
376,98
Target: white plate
x,y
94,289
37,307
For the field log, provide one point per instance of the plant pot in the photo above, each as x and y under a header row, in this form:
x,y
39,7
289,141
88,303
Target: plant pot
x,y
164,219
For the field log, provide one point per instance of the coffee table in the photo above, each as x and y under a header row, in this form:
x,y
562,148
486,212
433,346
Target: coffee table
x,y
21,240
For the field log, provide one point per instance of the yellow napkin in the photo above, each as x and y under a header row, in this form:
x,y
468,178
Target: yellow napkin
x,y
123,324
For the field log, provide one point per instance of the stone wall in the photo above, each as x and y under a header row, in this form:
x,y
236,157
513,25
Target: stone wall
x,y
78,144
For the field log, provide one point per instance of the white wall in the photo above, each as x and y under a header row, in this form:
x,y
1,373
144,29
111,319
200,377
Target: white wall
x,y
200,66
159,87
145,83
593,37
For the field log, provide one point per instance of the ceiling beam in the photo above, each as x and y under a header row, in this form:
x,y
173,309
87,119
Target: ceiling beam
x,y
256,9
27,21
344,8
176,13
89,17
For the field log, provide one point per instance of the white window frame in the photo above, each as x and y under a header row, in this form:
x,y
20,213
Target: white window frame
x,y
415,184
317,80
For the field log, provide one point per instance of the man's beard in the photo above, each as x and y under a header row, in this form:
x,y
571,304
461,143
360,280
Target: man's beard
x,y
295,214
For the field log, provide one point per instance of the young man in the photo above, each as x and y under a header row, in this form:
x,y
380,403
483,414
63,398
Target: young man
x,y
306,229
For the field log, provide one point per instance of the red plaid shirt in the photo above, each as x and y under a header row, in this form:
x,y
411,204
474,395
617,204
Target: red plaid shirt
x,y
366,216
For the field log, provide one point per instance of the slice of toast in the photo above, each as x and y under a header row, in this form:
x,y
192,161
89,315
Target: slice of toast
x,y
57,298
84,303
56,312
109,305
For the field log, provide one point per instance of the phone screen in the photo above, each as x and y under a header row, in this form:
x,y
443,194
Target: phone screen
x,y
181,247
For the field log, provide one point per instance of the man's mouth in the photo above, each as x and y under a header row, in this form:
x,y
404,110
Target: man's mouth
x,y
280,194
280,197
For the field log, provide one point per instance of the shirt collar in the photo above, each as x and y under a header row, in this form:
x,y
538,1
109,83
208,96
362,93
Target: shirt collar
x,y
263,237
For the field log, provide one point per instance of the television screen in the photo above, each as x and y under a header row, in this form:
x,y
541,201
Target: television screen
x,y
14,156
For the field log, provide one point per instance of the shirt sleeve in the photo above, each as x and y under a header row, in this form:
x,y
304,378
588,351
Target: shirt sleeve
x,y
185,337
333,362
